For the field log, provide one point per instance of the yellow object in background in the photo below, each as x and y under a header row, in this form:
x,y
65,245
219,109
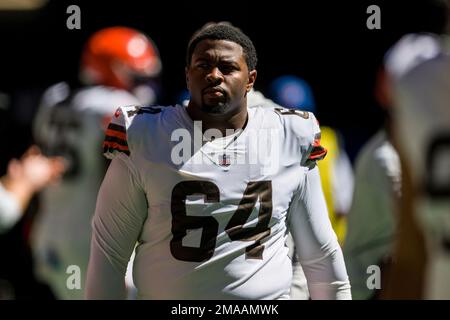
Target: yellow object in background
x,y
329,140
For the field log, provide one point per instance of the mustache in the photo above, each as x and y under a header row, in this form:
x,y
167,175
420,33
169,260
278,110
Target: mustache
x,y
214,88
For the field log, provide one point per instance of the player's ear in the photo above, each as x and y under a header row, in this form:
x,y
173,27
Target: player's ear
x,y
251,80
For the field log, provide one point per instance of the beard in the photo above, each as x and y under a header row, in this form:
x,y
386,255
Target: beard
x,y
216,106
219,108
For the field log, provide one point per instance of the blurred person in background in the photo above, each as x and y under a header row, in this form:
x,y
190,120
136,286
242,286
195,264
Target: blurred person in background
x,y
383,230
119,66
421,117
372,215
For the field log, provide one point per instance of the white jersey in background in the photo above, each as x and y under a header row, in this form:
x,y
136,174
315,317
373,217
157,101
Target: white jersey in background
x,y
72,125
214,225
372,216
422,117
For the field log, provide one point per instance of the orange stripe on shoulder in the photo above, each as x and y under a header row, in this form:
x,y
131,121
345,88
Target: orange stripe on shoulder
x,y
115,145
318,153
118,134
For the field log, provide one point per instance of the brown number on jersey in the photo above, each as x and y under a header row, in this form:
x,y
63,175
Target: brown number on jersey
x,y
181,222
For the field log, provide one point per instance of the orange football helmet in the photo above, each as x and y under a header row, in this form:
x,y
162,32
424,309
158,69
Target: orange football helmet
x,y
115,56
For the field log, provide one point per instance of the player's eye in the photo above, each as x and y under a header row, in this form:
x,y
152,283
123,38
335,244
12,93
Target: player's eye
x,y
203,66
227,68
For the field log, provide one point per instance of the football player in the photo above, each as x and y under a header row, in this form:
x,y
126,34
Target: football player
x,y
420,68
71,123
211,190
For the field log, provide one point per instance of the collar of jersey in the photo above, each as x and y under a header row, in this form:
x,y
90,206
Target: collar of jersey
x,y
227,141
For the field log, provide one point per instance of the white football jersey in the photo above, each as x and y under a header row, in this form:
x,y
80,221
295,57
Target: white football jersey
x,y
422,117
210,217
71,125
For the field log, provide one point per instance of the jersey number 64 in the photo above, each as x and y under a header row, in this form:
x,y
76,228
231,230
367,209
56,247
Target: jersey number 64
x,y
181,222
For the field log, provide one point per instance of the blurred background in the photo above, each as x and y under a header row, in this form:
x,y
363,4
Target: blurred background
x,y
325,43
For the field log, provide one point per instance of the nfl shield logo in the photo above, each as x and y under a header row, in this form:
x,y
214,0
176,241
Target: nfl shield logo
x,y
224,160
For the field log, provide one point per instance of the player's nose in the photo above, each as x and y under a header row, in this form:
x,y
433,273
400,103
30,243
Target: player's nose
x,y
214,76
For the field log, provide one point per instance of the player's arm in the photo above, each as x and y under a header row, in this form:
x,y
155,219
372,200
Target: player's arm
x,y
119,216
316,243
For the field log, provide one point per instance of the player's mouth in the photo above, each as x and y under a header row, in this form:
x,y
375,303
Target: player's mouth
x,y
214,92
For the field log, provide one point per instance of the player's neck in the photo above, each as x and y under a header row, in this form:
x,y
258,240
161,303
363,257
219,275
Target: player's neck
x,y
234,121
